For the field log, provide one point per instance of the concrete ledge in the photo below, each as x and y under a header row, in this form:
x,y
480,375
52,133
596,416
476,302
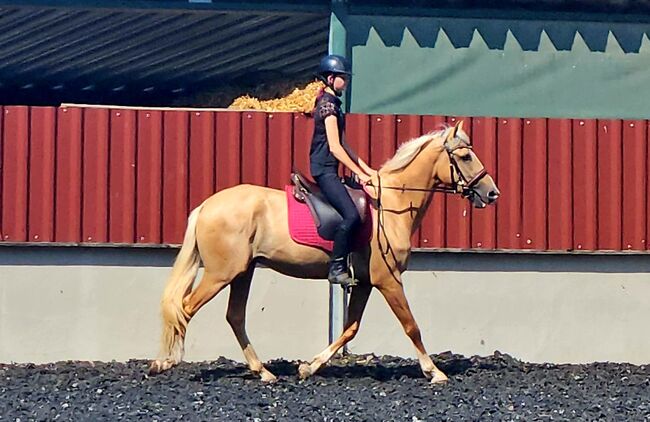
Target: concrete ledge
x,y
108,313
559,317
102,304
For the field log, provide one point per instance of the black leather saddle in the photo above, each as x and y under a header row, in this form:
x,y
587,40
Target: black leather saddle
x,y
327,219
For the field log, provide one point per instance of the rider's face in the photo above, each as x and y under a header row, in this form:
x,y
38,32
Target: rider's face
x,y
339,82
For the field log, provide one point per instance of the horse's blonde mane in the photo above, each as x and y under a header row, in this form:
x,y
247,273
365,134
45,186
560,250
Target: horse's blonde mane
x,y
410,149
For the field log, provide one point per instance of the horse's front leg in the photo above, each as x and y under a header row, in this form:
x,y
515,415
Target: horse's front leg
x,y
357,304
394,294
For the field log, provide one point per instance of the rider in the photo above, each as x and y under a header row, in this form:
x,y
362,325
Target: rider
x,y
328,149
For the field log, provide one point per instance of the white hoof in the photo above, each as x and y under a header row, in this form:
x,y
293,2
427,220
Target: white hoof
x,y
160,365
304,371
268,377
438,378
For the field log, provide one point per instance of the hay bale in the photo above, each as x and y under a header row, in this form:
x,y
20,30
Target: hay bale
x,y
299,100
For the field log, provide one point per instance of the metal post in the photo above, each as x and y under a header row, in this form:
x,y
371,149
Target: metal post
x,y
338,305
338,310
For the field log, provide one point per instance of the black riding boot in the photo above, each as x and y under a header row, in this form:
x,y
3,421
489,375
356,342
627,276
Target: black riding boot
x,y
338,273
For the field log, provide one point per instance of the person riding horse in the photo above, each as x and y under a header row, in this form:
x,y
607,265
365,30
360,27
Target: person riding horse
x,y
246,225
328,150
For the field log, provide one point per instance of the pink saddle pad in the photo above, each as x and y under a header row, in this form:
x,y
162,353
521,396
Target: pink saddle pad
x,y
303,229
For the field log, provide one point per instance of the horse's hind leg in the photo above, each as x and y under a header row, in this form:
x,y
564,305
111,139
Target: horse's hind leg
x,y
358,301
236,317
212,282
224,260
210,285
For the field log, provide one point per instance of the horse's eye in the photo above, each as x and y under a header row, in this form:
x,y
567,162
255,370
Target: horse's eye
x,y
466,157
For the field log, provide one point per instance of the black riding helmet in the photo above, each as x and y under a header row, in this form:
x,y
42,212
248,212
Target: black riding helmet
x,y
333,64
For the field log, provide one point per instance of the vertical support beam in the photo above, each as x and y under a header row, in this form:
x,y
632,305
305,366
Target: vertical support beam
x,y
338,40
338,45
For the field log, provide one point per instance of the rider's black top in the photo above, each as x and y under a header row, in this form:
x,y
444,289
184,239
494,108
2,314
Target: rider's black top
x,y
321,160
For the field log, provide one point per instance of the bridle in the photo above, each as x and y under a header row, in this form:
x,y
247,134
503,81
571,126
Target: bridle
x,y
460,184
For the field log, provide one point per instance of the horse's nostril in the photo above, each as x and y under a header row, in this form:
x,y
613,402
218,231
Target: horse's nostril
x,y
493,195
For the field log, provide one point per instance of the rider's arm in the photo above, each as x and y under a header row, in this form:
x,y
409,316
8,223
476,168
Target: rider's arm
x,y
358,160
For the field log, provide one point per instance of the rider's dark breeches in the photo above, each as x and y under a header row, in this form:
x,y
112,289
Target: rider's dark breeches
x,y
333,189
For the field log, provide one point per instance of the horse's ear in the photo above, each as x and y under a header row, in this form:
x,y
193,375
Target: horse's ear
x,y
459,125
454,130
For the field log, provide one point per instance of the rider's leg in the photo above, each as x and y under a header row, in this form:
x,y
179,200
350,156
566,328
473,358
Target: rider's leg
x,y
333,189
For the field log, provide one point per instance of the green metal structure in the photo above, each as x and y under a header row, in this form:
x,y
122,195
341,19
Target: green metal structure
x,y
519,65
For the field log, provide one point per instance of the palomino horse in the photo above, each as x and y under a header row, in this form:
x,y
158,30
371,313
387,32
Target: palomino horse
x,y
236,228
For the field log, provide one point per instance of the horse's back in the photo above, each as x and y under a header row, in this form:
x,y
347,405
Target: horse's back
x,y
240,204
241,196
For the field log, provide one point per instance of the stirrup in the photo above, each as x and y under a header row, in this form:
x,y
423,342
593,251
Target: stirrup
x,y
345,280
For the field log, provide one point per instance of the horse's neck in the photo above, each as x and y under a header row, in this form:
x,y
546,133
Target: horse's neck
x,y
418,174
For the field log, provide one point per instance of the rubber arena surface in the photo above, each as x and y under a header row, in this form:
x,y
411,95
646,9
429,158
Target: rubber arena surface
x,y
352,388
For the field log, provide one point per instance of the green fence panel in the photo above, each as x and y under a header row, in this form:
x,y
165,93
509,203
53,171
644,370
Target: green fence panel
x,y
499,67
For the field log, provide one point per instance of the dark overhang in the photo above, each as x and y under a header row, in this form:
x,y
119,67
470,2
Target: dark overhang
x,y
144,54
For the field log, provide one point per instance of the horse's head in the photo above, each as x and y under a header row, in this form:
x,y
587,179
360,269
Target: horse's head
x,y
460,169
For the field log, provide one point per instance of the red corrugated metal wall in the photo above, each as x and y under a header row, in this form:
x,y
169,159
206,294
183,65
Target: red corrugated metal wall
x,y
131,176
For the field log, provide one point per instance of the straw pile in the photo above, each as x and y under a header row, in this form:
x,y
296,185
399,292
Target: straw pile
x,y
298,100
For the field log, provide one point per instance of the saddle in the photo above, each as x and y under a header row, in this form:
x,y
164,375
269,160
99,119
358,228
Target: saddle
x,y
325,216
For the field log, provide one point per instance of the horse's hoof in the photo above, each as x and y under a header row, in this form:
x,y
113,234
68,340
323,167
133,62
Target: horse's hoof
x,y
155,368
439,378
304,371
158,366
268,377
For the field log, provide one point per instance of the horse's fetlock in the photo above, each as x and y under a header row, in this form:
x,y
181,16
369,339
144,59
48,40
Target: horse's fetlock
x,y
256,369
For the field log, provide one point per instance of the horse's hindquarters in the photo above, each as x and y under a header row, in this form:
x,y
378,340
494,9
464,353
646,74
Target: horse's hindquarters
x,y
249,222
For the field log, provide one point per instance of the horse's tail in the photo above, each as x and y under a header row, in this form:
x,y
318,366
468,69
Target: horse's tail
x,y
179,285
